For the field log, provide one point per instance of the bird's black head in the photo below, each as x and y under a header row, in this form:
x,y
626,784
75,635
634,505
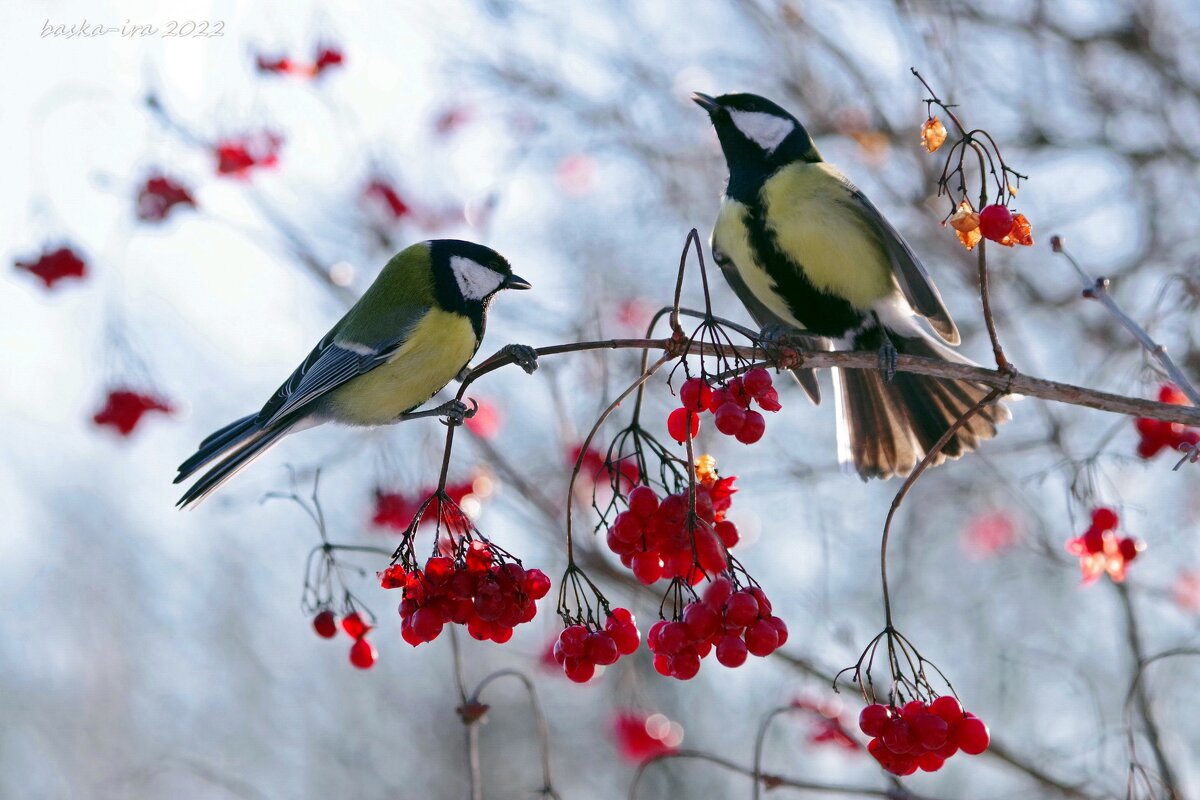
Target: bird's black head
x,y
465,272
757,136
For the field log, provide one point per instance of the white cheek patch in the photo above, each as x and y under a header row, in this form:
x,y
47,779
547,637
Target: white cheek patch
x,y
475,281
766,130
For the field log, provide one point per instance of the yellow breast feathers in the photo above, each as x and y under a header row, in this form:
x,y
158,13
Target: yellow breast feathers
x,y
438,347
731,237
817,222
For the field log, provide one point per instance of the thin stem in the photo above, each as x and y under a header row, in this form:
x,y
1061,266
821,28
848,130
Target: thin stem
x,y
539,717
984,293
908,484
1141,696
760,739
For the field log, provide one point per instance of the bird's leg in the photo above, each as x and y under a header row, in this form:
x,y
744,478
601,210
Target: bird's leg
x,y
887,353
523,356
775,334
455,412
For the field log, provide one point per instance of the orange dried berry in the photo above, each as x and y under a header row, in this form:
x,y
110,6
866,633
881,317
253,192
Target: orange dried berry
x,y
1021,232
964,220
933,134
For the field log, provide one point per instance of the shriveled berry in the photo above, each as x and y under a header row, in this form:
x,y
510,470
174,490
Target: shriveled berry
x,y
325,624
873,719
362,654
769,400
695,394
995,221
683,425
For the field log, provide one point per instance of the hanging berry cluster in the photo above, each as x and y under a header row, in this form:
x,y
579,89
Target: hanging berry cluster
x,y
733,621
584,643
1157,435
468,581
362,652
327,598
729,404
913,727
995,221
1101,550
921,734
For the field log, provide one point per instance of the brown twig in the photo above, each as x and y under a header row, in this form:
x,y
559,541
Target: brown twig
x,y
539,718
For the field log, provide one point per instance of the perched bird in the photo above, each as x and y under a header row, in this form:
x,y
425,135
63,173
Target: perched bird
x,y
810,257
412,332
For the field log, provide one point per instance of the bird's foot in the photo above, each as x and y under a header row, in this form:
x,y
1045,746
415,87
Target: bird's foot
x,y
774,335
887,359
455,412
523,356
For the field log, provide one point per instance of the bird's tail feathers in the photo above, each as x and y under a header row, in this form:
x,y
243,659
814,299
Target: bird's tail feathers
x,y
236,457
885,429
219,443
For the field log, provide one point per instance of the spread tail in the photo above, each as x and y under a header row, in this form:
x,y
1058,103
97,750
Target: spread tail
x,y
885,429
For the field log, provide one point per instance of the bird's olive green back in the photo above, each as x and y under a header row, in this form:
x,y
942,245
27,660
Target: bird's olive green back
x,y
396,300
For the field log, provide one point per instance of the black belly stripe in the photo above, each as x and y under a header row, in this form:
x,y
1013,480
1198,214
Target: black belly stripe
x,y
822,313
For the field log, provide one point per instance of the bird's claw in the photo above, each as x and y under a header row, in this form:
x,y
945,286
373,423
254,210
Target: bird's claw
x,y
456,412
776,335
887,360
523,356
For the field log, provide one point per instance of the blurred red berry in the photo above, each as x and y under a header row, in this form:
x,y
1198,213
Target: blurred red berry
x,y
124,409
362,654
325,624
158,196
51,266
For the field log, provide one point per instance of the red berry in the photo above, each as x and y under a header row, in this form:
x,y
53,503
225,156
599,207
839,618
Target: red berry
x,y
731,651
1128,548
1104,519
1093,541
948,708
995,222
930,762
672,638
756,381
898,736
601,649
653,634
685,665
643,502
647,567
781,630
354,625
427,624
911,710
623,631
741,609
753,427
695,394
579,670
325,624
931,730
718,592
738,393
972,736
574,640
407,633
761,638
873,719
536,584
683,424
727,532
729,418
362,654
701,621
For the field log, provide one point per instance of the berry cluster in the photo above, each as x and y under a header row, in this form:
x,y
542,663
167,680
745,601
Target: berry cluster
x,y
1101,550
729,405
654,538
994,222
1157,435
362,652
734,622
640,736
921,735
476,586
582,647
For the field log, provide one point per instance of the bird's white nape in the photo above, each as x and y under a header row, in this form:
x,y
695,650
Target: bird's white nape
x,y
475,281
766,130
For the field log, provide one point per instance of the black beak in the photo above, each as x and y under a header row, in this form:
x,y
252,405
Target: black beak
x,y
709,104
516,282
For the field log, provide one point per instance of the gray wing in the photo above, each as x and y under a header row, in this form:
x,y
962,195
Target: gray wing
x,y
914,280
327,367
764,316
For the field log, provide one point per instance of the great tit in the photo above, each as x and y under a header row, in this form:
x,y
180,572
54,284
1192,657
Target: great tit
x,y
412,332
807,252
